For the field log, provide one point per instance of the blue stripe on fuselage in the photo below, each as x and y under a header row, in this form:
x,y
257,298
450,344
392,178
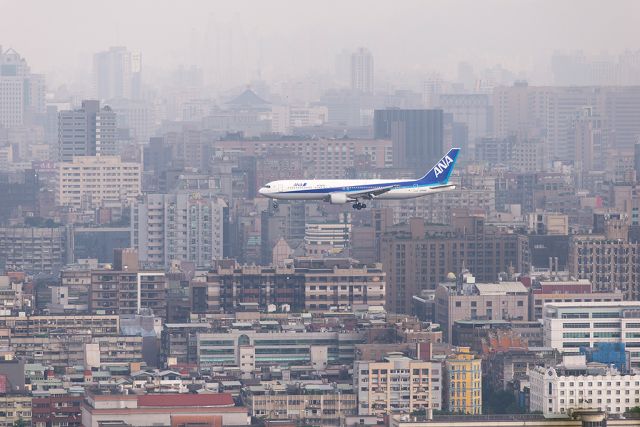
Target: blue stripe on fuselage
x,y
346,189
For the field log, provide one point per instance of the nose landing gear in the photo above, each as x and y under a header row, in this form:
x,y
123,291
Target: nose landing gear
x,y
274,204
358,206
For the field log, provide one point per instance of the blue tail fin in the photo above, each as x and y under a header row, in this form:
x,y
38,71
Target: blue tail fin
x,y
440,173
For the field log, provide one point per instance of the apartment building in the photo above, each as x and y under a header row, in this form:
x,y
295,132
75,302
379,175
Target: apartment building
x,y
126,289
463,382
57,407
307,284
29,326
341,283
178,227
576,385
87,182
569,326
15,408
33,250
467,300
398,384
307,403
324,158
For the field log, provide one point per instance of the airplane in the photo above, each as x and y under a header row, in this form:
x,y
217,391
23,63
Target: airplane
x,y
353,190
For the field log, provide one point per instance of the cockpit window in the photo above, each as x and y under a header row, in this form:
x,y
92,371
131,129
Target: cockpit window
x,y
267,186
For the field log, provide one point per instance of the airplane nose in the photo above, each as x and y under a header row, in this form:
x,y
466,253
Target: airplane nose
x,y
262,190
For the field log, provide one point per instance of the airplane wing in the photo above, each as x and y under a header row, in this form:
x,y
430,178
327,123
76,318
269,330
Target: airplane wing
x,y
370,193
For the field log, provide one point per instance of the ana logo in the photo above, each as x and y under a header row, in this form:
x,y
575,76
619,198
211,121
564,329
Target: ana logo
x,y
442,165
300,184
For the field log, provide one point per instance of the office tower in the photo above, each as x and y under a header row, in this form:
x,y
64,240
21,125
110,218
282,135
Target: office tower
x,y
184,227
414,261
362,70
472,109
87,131
21,93
417,136
463,382
89,181
117,73
398,384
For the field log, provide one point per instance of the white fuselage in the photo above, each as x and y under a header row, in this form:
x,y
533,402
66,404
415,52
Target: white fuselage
x,y
320,189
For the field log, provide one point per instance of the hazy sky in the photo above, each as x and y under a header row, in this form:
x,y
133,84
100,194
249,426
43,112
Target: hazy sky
x,y
298,37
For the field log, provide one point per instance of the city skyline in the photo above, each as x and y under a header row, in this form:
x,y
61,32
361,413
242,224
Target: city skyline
x,y
235,44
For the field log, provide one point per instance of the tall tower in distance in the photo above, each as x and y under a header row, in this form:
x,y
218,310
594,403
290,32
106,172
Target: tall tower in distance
x,y
116,74
362,70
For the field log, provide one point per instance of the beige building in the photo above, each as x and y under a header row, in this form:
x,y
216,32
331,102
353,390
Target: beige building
x,y
326,158
88,181
341,285
15,408
468,300
311,404
397,385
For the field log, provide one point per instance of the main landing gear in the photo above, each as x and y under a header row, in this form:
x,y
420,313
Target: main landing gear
x,y
358,205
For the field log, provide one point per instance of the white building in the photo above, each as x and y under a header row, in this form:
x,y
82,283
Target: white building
x,y
21,93
569,326
285,118
116,73
362,70
88,181
397,385
577,385
326,238
183,227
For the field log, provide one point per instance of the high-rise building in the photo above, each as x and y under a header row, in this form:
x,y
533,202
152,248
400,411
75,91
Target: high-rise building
x,y
398,384
185,227
117,73
362,70
21,93
89,181
415,261
417,136
87,131
472,109
551,111
463,382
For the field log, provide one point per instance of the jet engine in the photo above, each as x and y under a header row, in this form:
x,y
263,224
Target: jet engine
x,y
338,198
